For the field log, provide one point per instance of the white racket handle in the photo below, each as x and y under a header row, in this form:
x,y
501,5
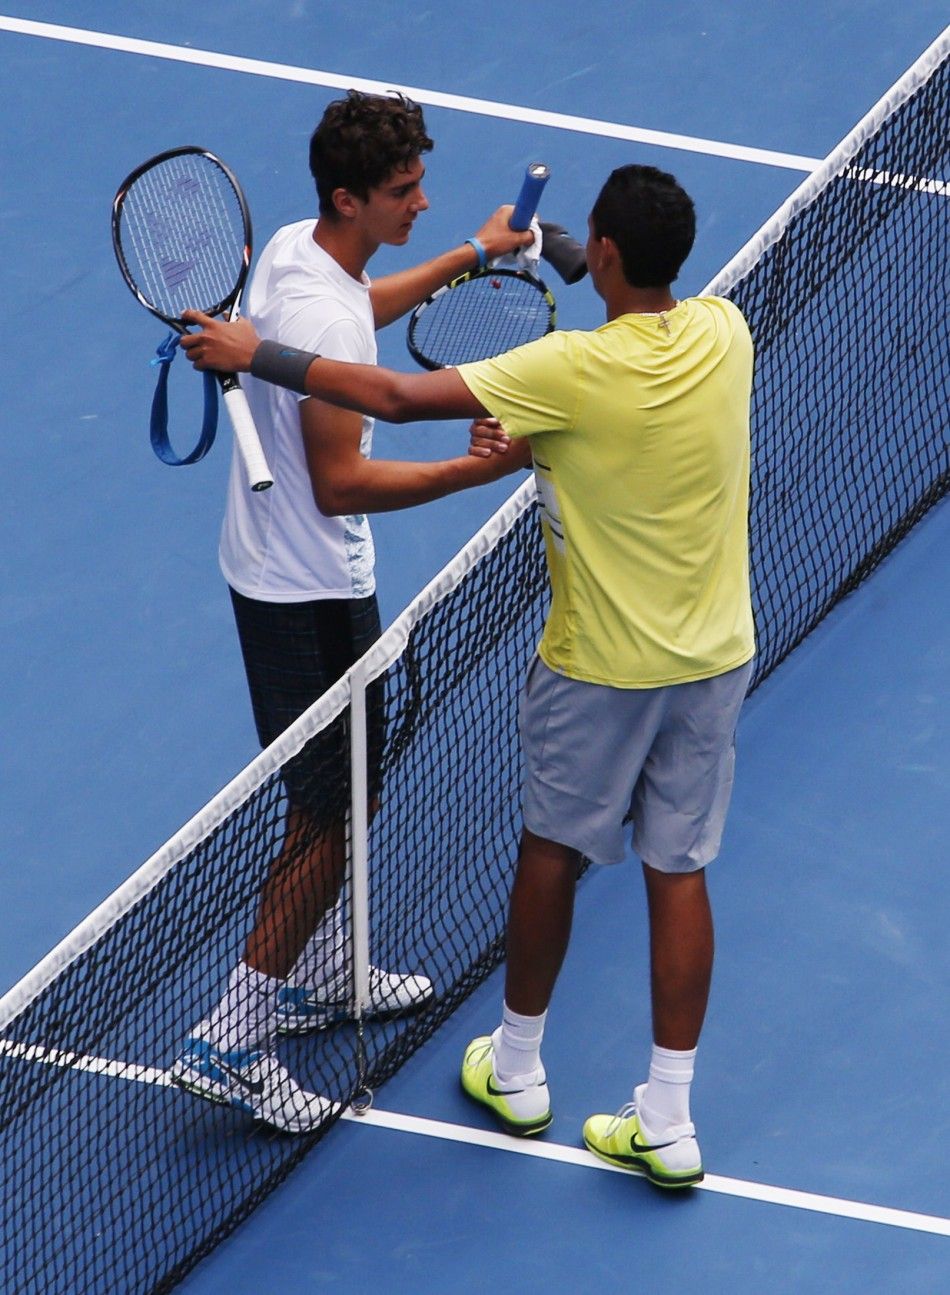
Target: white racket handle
x,y
245,433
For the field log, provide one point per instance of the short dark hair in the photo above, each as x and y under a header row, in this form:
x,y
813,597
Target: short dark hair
x,y
361,140
651,219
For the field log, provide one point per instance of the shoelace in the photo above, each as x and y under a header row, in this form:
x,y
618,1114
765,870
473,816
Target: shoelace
x,y
630,1108
476,1059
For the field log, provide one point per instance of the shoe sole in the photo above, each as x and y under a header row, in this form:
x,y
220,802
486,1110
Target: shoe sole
x,y
196,1090
646,1171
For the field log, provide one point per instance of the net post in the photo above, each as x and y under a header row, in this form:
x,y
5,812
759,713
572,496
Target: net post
x,y
359,837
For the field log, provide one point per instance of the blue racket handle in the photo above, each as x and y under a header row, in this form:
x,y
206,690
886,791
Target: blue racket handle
x,y
536,177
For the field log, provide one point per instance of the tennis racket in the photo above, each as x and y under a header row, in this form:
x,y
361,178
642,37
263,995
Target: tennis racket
x,y
487,311
182,237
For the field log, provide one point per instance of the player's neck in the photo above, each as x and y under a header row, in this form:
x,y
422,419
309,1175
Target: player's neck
x,y
626,300
346,243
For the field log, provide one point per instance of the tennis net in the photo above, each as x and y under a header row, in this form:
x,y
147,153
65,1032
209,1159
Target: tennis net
x,y
117,1181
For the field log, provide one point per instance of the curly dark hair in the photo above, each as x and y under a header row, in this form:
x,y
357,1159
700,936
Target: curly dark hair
x,y
651,219
361,140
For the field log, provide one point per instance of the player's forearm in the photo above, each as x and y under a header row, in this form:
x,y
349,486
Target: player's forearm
x,y
365,388
396,294
386,486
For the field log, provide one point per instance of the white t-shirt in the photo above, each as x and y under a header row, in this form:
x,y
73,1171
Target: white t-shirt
x,y
276,545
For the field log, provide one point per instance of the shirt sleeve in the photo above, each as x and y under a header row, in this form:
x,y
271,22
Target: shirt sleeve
x,y
323,326
327,329
530,390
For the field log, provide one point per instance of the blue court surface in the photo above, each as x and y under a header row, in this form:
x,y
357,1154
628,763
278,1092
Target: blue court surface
x,y
821,1096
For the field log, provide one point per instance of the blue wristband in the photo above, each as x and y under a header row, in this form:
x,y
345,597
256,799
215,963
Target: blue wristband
x,y
479,252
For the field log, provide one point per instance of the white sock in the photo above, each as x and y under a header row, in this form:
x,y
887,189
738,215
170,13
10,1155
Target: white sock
x,y
244,1018
324,958
517,1044
666,1098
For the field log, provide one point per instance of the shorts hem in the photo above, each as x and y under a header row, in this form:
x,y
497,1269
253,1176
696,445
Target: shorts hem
x,y
585,849
673,870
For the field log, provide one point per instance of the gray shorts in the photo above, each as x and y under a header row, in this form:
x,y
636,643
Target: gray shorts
x,y
597,757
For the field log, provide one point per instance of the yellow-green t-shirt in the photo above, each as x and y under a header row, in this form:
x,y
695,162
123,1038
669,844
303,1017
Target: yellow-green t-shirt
x,y
640,439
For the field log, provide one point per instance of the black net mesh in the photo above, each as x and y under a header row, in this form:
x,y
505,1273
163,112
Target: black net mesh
x,y
117,1181
125,1180
850,429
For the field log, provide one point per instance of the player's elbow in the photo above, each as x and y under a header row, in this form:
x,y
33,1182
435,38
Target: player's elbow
x,y
397,413
332,499
397,404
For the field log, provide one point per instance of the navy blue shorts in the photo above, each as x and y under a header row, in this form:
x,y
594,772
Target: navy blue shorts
x,y
294,652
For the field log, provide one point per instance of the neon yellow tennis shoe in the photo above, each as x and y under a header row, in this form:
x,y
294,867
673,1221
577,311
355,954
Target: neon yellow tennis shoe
x,y
670,1160
522,1106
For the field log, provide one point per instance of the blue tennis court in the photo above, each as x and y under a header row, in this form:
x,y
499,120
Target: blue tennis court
x,y
821,1097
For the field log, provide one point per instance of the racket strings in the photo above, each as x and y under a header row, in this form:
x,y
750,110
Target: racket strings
x,y
482,317
183,235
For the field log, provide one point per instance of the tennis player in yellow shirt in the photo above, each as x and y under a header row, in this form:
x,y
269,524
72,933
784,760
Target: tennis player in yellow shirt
x,y
639,433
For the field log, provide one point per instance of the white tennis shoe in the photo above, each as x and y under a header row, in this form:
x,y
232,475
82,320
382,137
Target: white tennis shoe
x,y
254,1082
302,1008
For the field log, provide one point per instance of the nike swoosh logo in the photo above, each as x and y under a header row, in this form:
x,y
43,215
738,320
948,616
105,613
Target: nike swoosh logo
x,y
636,1145
252,1086
496,1092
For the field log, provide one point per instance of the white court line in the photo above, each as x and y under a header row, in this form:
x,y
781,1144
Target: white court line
x,y
432,98
711,1183
88,1065
504,1142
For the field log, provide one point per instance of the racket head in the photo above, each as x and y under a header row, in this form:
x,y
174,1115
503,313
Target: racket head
x,y
181,231
480,315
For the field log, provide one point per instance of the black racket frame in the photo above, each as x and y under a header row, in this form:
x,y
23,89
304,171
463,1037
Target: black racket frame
x,y
471,276
217,308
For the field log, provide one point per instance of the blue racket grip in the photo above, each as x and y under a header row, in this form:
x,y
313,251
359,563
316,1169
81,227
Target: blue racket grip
x,y
536,177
